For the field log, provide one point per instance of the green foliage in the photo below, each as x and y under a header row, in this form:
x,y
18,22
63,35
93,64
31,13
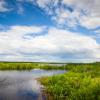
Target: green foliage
x,y
26,66
81,82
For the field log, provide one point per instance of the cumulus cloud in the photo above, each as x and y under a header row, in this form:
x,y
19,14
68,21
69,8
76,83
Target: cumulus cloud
x,y
97,34
55,45
19,31
43,43
90,22
3,7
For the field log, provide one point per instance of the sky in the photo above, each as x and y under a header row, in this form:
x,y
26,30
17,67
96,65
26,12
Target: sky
x,y
50,30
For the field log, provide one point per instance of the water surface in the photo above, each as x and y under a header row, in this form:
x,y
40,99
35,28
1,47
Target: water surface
x,y
22,85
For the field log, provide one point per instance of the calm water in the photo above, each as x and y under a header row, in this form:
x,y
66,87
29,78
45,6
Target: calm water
x,y
22,85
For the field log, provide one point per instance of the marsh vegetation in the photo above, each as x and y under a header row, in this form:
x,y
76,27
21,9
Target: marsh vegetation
x,y
80,82
28,66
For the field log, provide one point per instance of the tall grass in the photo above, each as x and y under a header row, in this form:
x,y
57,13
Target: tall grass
x,y
26,66
81,82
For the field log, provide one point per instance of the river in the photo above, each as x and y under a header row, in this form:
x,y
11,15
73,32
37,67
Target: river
x,y
22,85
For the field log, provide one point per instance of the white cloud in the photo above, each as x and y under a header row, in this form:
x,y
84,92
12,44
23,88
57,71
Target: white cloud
x,y
19,31
90,22
43,3
91,8
51,46
90,19
97,34
98,31
85,12
25,43
3,7
20,10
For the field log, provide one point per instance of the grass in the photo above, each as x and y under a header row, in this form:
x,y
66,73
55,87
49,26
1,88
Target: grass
x,y
26,66
81,82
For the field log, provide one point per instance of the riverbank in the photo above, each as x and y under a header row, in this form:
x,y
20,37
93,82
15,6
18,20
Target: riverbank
x,y
81,82
29,66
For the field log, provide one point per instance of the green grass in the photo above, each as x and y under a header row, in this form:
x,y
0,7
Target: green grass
x,y
81,82
26,66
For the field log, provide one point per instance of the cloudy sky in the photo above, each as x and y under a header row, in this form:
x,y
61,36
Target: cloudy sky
x,y
50,30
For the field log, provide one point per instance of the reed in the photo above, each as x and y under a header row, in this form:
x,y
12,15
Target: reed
x,y
27,66
81,82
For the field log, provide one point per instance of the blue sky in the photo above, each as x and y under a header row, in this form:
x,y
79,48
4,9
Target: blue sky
x,y
50,30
